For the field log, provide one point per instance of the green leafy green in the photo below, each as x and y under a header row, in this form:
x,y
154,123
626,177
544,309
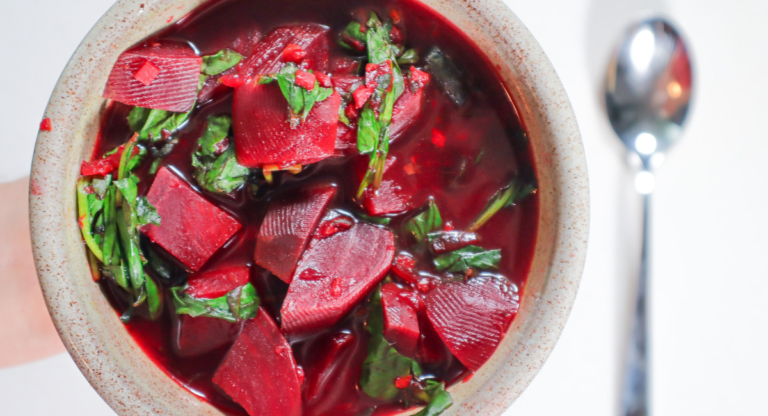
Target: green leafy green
x,y
380,50
220,62
353,32
505,197
383,364
146,212
408,57
162,267
439,399
368,131
85,219
300,99
239,304
154,298
150,123
424,223
374,220
468,257
101,185
216,167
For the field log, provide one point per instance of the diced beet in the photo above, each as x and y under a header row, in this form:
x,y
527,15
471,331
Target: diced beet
x,y
374,71
234,80
438,138
103,166
405,113
287,227
333,275
293,53
217,283
174,88
333,371
45,125
147,73
453,240
361,95
264,137
472,317
401,325
191,228
305,79
199,335
323,79
259,372
344,65
404,267
267,55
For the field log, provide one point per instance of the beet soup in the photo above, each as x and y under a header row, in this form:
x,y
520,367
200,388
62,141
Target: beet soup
x,y
311,208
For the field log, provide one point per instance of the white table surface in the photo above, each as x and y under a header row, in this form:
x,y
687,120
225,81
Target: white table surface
x,y
709,338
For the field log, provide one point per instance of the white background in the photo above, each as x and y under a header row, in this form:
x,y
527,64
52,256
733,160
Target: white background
x,y
710,346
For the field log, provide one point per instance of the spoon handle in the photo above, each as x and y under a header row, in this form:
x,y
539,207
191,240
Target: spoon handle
x,y
635,394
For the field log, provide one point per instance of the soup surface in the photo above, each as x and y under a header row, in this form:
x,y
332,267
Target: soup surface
x,y
347,186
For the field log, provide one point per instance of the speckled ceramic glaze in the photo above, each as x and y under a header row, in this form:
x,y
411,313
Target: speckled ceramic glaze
x,y
116,366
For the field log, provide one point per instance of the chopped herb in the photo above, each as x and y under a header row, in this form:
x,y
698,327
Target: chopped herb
x,y
220,62
447,76
353,37
424,223
300,100
154,298
239,304
146,212
505,197
150,123
439,399
375,220
383,364
216,167
368,131
468,257
408,57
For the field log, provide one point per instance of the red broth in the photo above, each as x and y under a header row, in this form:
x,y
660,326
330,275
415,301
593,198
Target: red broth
x,y
485,146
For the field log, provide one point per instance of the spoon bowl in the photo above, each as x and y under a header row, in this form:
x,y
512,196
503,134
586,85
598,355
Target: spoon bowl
x,y
648,90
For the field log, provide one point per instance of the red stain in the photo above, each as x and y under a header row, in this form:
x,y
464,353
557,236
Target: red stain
x,y
170,19
35,188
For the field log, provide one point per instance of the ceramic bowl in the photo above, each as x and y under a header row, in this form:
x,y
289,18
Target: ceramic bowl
x,y
107,355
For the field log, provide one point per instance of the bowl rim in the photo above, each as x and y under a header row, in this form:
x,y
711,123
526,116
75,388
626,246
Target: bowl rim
x,y
100,351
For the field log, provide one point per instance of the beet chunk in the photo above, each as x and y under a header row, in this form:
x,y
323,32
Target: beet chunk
x,y
191,229
333,275
398,192
217,283
267,55
288,226
163,76
259,372
405,113
264,137
195,336
401,324
472,317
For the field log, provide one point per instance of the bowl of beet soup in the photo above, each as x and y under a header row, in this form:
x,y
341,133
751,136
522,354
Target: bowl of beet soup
x,y
310,208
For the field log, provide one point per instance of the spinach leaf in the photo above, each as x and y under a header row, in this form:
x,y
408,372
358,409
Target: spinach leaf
x,y
316,95
220,62
223,174
239,304
150,123
424,223
146,212
368,131
213,140
85,219
374,220
300,99
383,364
447,76
352,34
439,399
216,167
468,257
100,185
505,197
154,298
408,57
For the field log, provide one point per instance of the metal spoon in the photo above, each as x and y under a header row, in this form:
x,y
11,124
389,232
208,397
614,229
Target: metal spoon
x,y
647,92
